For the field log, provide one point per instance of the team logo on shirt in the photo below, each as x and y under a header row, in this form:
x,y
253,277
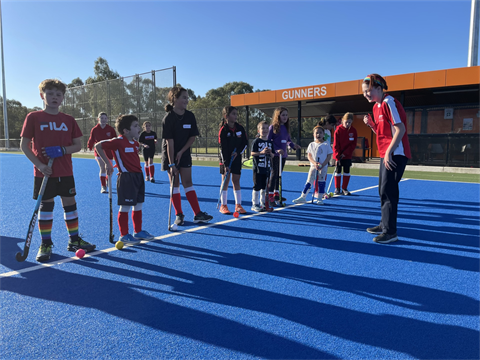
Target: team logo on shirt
x,y
108,133
187,126
129,150
239,133
53,126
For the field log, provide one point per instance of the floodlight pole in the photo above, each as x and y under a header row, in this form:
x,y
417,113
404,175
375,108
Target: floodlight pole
x,y
474,28
5,117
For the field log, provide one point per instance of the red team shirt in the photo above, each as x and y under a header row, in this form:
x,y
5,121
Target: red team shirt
x,y
125,152
344,142
51,130
390,112
98,134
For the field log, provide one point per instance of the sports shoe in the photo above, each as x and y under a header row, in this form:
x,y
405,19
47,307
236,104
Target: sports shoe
x,y
147,178
301,200
385,238
318,201
277,198
346,192
239,208
257,208
377,230
278,203
103,190
129,239
202,217
179,219
143,235
80,244
337,192
224,210
152,180
44,252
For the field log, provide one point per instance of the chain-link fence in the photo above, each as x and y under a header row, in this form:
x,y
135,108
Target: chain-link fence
x,y
143,95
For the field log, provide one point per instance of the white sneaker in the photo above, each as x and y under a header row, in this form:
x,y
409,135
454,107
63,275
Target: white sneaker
x,y
103,190
318,201
257,208
301,200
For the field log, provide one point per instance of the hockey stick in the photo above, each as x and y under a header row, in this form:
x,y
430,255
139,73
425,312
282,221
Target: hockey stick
x,y
282,204
112,236
330,184
28,240
316,180
268,208
227,173
171,200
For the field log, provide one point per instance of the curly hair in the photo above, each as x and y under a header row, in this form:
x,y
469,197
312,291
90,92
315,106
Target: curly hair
x,y
276,119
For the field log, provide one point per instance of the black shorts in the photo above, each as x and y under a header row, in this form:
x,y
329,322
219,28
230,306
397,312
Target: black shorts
x,y
130,188
148,153
56,186
346,164
185,161
236,166
259,181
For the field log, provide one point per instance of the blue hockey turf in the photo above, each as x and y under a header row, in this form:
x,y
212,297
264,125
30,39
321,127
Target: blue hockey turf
x,y
303,282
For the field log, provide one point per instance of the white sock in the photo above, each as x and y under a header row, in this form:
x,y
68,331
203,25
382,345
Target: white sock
x,y
255,197
262,197
224,197
238,197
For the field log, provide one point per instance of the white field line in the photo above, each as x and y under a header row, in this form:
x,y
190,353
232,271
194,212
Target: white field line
x,y
172,234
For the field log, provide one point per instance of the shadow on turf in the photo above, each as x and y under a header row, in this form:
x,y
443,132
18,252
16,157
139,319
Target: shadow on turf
x,y
385,331
126,301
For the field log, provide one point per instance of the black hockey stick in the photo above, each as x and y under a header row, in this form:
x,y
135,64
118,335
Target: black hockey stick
x,y
282,204
28,240
112,236
171,200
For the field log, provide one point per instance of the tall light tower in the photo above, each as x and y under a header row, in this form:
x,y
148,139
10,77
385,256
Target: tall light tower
x,y
473,41
5,117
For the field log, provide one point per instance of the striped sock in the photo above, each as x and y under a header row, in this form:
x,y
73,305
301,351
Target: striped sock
x,y
71,221
45,221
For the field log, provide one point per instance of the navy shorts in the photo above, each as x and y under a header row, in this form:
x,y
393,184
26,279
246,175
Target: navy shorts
x,y
130,188
56,186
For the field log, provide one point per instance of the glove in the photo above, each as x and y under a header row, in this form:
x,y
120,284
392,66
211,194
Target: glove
x,y
55,151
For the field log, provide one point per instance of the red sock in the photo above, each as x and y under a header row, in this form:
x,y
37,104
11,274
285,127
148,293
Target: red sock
x,y
123,223
137,220
192,199
177,203
147,170
338,179
152,170
346,179
103,180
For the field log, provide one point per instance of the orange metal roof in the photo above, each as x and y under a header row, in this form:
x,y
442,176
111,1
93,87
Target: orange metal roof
x,y
420,80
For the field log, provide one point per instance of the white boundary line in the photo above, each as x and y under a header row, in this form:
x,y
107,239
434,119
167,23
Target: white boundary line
x,y
172,234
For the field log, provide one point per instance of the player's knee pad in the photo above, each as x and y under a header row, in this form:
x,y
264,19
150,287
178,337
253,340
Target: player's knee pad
x,y
321,186
307,187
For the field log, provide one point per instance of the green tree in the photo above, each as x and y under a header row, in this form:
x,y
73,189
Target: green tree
x,y
102,72
75,82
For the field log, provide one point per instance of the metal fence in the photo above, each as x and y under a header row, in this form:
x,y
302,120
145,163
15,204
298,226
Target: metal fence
x,y
143,95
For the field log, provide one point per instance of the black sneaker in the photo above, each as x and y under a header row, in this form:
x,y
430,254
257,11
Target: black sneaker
x,y
346,192
152,180
80,244
44,252
202,217
377,230
179,219
337,192
385,238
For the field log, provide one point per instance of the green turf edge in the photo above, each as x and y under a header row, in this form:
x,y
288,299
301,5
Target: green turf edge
x,y
419,175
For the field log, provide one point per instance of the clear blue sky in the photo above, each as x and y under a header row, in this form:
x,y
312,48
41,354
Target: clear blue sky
x,y
269,44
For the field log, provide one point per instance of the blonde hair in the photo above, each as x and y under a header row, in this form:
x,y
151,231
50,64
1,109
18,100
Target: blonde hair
x,y
348,116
